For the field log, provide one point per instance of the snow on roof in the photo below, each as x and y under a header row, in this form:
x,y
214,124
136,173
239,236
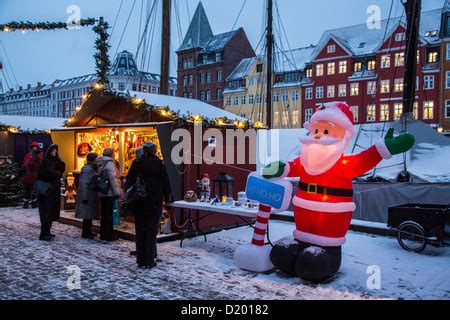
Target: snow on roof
x,y
199,31
32,123
218,41
360,40
185,106
427,161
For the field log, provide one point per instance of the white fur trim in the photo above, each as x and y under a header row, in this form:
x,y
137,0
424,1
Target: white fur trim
x,y
253,258
330,207
318,240
334,115
382,149
287,169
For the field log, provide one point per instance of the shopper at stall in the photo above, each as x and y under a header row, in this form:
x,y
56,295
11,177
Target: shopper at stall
x,y
50,172
30,170
107,168
35,147
138,153
88,203
147,211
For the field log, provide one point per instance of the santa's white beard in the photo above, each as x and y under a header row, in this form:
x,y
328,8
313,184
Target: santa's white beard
x,y
319,156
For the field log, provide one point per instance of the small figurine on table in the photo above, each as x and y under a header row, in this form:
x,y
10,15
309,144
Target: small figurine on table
x,y
205,188
71,191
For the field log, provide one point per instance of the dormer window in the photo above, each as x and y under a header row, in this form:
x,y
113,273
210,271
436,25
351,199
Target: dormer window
x,y
357,66
309,73
259,68
432,57
331,48
399,36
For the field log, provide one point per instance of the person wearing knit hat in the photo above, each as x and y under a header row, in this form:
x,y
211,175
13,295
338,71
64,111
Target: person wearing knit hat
x,y
87,203
323,204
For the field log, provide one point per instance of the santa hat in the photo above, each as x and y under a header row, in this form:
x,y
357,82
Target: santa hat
x,y
335,112
35,144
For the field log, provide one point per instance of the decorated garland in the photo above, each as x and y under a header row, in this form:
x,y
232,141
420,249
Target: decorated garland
x,y
102,61
13,129
178,119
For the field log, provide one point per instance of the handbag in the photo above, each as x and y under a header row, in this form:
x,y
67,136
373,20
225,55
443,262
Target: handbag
x,y
42,188
116,213
100,184
136,191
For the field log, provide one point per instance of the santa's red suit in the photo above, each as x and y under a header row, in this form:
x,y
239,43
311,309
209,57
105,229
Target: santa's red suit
x,y
324,204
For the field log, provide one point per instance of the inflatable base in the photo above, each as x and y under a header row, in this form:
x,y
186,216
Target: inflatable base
x,y
253,258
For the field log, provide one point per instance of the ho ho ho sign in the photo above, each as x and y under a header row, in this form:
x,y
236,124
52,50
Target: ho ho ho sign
x,y
275,193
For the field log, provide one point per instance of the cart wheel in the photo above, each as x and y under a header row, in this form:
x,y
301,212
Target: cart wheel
x,y
411,237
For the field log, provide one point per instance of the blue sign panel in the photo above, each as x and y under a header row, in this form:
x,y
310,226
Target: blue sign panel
x,y
265,192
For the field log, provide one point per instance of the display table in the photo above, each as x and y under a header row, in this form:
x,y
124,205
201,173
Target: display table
x,y
192,225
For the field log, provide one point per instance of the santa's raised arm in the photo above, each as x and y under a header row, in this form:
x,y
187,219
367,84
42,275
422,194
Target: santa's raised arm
x,y
324,204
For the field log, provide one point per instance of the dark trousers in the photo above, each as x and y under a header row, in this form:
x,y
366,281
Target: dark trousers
x,y
30,197
146,232
87,228
46,217
106,219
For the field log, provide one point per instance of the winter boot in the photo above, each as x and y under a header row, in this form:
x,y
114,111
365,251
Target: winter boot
x,y
284,255
26,204
34,204
314,264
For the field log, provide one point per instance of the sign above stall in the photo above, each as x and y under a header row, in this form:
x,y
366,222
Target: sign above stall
x,y
276,193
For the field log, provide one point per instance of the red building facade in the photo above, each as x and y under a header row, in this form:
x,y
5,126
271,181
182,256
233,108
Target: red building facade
x,y
205,60
365,69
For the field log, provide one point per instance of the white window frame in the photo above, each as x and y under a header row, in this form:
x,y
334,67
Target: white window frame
x,y
319,92
371,87
428,82
398,110
355,111
319,67
400,36
354,89
331,91
295,95
383,86
228,101
331,48
448,51
447,109
295,118
308,114
331,68
342,93
285,96
426,106
384,112
342,67
385,61
309,93
398,85
447,80
372,109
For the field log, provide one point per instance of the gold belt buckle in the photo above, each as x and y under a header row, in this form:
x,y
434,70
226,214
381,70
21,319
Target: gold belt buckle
x,y
312,186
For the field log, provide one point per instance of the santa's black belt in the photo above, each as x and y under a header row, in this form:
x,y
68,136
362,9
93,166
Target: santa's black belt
x,y
315,189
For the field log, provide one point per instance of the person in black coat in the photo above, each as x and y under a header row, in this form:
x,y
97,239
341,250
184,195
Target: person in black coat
x,y
147,212
51,171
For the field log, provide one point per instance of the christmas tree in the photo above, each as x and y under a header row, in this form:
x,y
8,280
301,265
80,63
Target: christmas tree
x,y
11,188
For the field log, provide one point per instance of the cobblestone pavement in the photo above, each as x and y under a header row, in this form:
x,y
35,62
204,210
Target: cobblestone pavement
x,y
31,269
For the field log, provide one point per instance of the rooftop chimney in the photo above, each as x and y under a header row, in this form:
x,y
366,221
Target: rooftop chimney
x,y
28,86
39,84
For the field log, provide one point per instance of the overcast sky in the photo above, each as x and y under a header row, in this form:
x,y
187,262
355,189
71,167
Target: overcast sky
x,y
48,55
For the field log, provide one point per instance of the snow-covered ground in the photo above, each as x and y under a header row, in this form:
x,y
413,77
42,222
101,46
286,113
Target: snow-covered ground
x,y
30,269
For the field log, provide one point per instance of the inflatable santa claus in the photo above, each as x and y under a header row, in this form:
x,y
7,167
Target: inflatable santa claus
x,y
324,204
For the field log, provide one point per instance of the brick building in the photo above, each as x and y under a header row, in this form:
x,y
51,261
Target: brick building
x,y
365,68
205,60
445,67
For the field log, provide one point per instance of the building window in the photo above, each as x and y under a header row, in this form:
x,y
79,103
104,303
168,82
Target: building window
x,y
447,80
295,95
331,48
330,91
342,66
208,77
228,102
251,81
308,114
357,66
385,61
134,87
208,95
236,101
295,118
251,99
398,85
319,92
331,68
354,89
399,59
285,118
371,87
319,70
276,97
309,93
259,68
371,111
243,100
432,57
398,111
385,86
276,118
202,95
428,82
399,36
258,98
202,78
219,94
447,109
309,73
218,56
384,112
121,86
448,52
416,110
285,96
185,81
371,65
428,110
355,111
219,75
417,83
342,90
190,95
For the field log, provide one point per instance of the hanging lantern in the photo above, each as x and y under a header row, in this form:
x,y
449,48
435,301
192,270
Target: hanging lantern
x,y
223,186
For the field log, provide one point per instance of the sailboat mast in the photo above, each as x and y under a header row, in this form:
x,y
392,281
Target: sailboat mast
x,y
270,43
165,48
412,8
